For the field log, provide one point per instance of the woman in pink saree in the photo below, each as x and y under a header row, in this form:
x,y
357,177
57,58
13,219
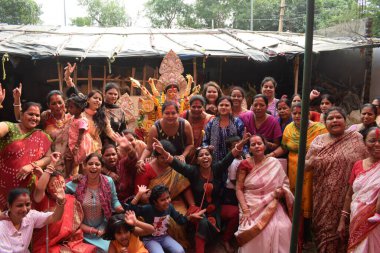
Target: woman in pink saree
x,y
265,225
361,198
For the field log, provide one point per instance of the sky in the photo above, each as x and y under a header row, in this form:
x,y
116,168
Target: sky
x,y
53,11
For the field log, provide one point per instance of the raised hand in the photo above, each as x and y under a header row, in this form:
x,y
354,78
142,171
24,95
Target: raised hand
x,y
69,69
130,218
60,192
314,94
2,94
122,140
157,146
17,93
142,189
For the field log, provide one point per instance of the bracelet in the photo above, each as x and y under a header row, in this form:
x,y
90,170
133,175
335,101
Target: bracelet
x,y
239,150
19,105
91,230
49,171
60,203
345,212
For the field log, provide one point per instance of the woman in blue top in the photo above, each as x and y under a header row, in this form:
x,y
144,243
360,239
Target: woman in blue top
x,y
97,195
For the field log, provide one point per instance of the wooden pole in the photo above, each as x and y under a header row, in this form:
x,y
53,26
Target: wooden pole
x,y
89,83
282,13
133,76
195,71
296,72
60,77
144,75
104,77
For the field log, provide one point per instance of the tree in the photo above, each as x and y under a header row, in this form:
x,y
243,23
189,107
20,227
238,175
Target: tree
x,y
103,13
19,12
169,13
373,11
81,21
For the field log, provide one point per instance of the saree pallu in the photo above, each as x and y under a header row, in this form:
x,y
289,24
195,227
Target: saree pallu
x,y
59,132
290,141
365,236
176,183
16,151
64,235
331,171
270,227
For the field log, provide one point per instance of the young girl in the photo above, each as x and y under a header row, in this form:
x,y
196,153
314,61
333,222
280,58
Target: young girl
x,y
123,231
79,144
158,213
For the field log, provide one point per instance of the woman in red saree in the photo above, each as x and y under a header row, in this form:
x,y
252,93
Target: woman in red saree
x,y
261,184
22,151
331,157
361,198
64,235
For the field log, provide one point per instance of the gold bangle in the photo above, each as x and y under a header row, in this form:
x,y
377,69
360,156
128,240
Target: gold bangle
x,y
19,105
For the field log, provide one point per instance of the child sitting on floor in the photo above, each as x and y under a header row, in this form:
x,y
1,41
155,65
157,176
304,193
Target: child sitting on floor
x,y
123,231
158,213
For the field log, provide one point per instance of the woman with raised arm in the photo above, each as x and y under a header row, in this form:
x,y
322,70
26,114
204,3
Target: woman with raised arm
x,y
98,122
65,235
362,198
205,181
22,151
331,157
53,121
17,224
261,187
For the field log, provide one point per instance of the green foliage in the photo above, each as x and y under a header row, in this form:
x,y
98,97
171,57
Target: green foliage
x,y
373,11
18,12
81,21
237,14
104,12
168,13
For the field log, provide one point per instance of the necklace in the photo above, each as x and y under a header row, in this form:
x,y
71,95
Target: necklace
x,y
59,123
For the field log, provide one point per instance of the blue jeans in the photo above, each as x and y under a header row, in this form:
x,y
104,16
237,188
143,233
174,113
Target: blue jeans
x,y
157,244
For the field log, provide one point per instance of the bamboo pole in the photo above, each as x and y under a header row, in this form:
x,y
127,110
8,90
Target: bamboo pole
x,y
296,73
282,14
133,76
195,71
89,82
104,77
60,77
307,69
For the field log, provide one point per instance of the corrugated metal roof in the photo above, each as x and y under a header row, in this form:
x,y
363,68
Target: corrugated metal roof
x,y
40,42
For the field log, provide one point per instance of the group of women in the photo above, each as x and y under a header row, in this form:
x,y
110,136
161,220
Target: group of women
x,y
215,148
